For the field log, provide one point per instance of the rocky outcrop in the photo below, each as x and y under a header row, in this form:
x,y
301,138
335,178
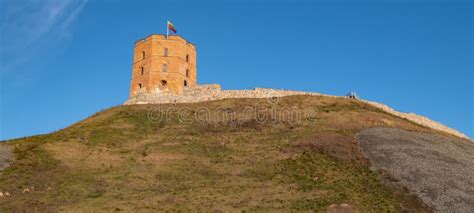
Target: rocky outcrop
x,y
6,156
438,169
211,92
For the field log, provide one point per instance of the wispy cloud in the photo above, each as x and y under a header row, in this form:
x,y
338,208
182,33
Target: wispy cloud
x,y
29,27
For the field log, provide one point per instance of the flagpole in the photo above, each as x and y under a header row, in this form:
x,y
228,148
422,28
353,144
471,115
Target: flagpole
x,y
167,30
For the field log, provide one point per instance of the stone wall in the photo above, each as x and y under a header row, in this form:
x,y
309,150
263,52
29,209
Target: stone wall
x,y
421,120
210,92
207,92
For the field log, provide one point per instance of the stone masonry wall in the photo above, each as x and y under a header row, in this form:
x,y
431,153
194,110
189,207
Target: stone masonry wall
x,y
210,92
168,62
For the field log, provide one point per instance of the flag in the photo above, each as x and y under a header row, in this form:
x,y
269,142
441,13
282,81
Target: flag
x,y
171,27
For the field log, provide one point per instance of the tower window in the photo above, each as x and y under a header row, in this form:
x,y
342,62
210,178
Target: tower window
x,y
164,82
139,85
187,72
143,54
185,83
166,52
165,68
142,70
187,58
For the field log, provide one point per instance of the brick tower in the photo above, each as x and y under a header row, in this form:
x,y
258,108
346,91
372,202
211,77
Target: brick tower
x,y
167,64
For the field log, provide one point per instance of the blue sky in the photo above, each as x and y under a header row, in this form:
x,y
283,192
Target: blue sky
x,y
63,60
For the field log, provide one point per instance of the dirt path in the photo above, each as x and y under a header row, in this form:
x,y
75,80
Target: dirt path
x,y
439,169
6,154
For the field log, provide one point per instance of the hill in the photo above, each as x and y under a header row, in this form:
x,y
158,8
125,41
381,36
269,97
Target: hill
x,y
290,153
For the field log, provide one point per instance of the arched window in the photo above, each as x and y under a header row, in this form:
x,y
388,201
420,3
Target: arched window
x,y
187,72
142,70
185,83
165,68
166,52
139,85
143,54
164,82
187,58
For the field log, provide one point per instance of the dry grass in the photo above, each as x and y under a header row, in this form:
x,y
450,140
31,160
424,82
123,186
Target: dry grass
x,y
119,160
333,144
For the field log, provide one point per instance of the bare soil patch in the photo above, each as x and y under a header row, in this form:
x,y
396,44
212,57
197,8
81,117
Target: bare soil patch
x,y
77,155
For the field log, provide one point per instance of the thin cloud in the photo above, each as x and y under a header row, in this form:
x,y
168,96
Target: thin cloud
x,y
29,27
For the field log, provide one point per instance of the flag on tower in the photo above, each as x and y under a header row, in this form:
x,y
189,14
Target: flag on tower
x,y
171,27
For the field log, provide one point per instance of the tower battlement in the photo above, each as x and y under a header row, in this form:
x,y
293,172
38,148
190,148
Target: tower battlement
x,y
164,63
162,36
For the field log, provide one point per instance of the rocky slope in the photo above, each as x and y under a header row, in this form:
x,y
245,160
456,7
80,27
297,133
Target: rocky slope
x,y
436,168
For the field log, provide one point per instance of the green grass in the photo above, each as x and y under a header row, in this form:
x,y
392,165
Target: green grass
x,y
346,182
120,160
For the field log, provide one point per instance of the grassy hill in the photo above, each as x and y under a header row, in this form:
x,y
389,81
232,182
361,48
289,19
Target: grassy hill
x,y
293,153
